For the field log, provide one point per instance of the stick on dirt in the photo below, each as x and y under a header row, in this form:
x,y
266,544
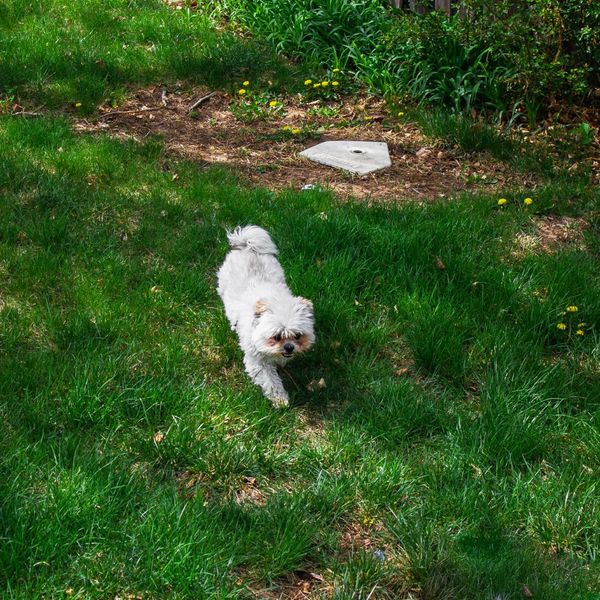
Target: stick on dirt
x,y
201,101
129,112
26,113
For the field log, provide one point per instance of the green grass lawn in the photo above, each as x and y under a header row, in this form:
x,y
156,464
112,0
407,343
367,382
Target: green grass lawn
x,y
458,432
476,469
58,54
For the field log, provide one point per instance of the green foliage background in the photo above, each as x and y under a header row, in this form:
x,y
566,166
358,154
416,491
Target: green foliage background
x,y
496,56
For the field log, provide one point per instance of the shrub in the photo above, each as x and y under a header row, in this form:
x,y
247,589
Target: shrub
x,y
509,57
427,59
320,31
552,45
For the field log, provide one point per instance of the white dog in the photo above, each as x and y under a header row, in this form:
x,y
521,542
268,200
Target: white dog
x,y
273,326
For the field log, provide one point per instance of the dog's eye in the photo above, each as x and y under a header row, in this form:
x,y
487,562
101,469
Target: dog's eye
x,y
277,337
298,336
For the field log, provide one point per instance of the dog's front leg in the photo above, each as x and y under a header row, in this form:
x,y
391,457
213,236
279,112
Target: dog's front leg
x,y
265,375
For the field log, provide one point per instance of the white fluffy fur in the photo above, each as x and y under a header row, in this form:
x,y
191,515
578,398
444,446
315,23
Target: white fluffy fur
x,y
261,308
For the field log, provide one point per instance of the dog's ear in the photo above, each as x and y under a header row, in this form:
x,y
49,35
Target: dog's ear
x,y
259,308
305,302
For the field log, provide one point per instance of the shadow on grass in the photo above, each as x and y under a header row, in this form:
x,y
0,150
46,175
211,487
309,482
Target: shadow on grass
x,y
83,54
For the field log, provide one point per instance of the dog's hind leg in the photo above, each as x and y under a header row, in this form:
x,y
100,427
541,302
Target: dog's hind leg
x,y
266,376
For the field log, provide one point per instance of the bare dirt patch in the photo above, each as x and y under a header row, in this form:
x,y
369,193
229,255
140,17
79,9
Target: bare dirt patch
x,y
554,231
248,492
299,585
264,154
550,233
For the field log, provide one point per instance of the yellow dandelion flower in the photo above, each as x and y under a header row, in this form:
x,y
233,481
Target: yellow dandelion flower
x,y
528,201
335,71
561,326
308,82
324,83
368,118
296,131
581,325
572,308
502,201
368,520
580,332
286,128
335,83
246,83
273,103
241,92
77,104
400,114
316,85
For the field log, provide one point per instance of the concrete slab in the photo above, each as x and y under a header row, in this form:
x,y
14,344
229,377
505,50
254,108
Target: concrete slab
x,y
356,157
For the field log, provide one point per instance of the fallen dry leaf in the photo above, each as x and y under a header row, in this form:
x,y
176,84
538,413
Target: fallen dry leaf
x,y
159,436
308,575
316,385
526,592
478,471
439,263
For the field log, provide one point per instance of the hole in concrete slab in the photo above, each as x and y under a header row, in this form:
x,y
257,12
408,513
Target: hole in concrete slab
x,y
357,151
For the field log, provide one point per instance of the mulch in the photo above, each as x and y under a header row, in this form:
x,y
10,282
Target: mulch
x,y
261,153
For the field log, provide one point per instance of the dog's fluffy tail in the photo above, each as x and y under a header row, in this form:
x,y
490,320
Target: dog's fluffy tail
x,y
252,238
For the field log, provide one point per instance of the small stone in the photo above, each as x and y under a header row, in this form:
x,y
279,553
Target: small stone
x,y
379,555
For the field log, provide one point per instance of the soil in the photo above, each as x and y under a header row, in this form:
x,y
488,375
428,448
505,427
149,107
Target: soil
x,y
550,233
264,153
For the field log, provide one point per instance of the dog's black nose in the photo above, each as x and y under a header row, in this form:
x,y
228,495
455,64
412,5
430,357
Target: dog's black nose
x,y
288,347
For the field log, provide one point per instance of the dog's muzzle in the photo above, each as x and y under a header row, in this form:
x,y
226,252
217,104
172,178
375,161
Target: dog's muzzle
x,y
288,349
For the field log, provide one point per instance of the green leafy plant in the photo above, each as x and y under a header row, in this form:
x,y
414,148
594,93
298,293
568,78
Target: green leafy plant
x,y
316,30
254,106
500,57
586,134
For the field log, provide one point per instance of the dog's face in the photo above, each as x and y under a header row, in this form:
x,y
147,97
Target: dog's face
x,y
282,330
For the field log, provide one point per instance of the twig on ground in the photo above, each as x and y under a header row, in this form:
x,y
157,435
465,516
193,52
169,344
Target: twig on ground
x,y
163,97
201,101
372,591
27,113
129,112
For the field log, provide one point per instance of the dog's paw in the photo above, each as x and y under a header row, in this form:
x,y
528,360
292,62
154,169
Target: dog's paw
x,y
279,401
